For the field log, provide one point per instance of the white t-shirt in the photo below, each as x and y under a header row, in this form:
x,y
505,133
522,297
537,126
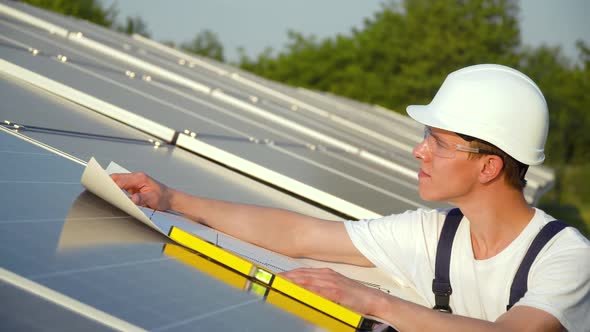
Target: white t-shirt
x,y
404,246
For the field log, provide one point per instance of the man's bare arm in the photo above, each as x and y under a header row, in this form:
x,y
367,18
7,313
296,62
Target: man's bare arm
x,y
407,316
283,231
411,317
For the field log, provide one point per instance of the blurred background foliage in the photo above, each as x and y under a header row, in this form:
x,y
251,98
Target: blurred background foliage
x,y
94,11
401,56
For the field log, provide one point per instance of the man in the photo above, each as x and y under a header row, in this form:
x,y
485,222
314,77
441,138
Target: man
x,y
486,124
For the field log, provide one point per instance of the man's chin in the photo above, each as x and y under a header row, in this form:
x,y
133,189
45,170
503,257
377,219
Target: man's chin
x,y
428,196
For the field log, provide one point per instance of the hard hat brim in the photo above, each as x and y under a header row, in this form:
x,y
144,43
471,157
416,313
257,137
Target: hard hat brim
x,y
424,115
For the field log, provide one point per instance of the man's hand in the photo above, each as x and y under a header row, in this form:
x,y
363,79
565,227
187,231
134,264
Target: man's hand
x,y
144,190
337,288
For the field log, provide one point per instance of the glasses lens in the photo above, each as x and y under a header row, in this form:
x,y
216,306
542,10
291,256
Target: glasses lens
x,y
436,146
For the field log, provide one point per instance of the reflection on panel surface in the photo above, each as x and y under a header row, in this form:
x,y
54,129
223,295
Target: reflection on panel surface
x,y
31,313
24,167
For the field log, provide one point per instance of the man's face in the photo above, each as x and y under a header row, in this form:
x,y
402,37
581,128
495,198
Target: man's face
x,y
446,173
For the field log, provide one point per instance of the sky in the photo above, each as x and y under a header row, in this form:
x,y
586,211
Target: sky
x,y
257,24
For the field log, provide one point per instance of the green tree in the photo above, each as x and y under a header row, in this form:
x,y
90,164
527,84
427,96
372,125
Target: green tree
x,y
93,11
169,43
568,146
90,10
205,43
403,53
564,86
134,25
433,38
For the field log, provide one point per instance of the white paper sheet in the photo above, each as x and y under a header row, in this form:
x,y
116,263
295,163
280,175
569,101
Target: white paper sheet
x,y
98,181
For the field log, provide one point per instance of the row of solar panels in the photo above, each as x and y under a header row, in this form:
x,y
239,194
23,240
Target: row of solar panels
x,y
375,170
87,91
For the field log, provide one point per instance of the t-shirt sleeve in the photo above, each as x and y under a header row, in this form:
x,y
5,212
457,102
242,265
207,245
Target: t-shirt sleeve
x,y
559,283
392,243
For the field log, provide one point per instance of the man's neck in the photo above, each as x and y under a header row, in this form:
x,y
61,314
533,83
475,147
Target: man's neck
x,y
496,219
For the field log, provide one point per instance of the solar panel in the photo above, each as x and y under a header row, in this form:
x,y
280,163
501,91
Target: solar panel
x,y
48,315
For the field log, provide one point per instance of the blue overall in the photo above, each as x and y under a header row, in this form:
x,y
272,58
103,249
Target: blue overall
x,y
441,285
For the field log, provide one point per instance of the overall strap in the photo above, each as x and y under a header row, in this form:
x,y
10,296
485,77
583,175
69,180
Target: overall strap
x,y
519,284
441,285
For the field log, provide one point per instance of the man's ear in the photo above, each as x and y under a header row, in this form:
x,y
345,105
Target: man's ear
x,y
491,168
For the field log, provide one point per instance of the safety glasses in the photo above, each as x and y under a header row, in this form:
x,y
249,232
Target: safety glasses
x,y
443,149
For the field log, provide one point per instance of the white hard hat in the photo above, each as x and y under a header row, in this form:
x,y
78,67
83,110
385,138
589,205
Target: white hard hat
x,y
494,103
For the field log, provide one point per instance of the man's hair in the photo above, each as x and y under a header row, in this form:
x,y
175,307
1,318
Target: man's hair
x,y
513,169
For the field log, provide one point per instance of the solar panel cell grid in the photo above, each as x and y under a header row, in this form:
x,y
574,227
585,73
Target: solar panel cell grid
x,y
29,312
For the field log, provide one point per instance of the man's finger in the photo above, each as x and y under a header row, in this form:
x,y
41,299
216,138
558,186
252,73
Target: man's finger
x,y
136,198
131,182
147,199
